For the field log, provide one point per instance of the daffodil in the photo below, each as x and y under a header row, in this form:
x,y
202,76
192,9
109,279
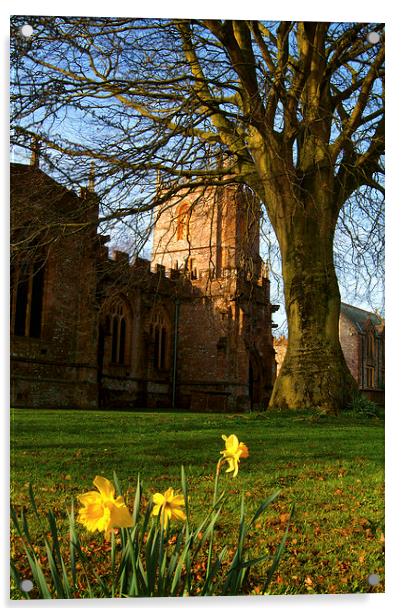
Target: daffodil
x,y
233,452
168,506
101,511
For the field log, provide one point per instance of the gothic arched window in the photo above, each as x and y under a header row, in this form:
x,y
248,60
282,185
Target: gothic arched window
x,y
118,319
159,329
28,299
370,345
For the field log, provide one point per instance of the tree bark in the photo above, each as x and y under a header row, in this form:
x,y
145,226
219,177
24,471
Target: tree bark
x,y
314,373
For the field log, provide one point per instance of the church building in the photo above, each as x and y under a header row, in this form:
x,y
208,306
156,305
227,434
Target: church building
x,y
191,328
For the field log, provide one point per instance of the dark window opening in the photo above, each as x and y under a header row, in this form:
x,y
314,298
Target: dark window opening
x,y
160,348
114,340
156,347
36,304
163,339
21,308
118,336
370,346
193,269
160,342
121,351
29,301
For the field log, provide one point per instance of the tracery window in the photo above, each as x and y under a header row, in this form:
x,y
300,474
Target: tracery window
x,y
370,361
119,321
27,299
159,329
370,347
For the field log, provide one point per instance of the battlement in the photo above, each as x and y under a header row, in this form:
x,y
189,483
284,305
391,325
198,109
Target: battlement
x,y
159,270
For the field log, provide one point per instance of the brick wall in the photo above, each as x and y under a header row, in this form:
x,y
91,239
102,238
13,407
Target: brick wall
x,y
58,368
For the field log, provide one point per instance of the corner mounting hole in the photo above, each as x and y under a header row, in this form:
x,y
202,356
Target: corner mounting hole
x,y
373,579
373,38
26,30
26,585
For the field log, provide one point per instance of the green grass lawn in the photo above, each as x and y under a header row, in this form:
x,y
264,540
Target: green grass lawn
x,y
331,467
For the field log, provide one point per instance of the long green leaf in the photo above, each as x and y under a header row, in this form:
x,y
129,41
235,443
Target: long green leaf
x,y
152,556
131,557
26,528
137,500
14,518
234,575
54,534
33,503
117,484
34,565
146,520
278,553
144,579
73,540
207,588
54,572
179,566
39,577
113,563
174,558
208,532
56,548
263,506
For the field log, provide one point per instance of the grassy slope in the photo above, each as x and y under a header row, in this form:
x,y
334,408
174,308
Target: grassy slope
x,y
333,468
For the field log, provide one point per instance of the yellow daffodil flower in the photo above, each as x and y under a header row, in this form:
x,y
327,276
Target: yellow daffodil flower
x,y
101,511
233,452
169,505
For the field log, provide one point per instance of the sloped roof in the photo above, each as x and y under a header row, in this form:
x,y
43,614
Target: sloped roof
x,y
360,317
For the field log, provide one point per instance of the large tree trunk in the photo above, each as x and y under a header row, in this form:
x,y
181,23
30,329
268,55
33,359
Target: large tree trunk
x,y
314,373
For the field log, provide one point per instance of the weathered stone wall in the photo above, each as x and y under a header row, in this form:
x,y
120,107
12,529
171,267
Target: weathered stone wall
x,y
350,344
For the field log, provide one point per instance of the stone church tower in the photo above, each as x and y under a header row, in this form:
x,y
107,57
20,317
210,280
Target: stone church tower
x,y
209,233
223,333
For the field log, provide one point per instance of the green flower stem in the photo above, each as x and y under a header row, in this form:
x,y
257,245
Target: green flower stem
x,y
113,562
216,480
216,483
